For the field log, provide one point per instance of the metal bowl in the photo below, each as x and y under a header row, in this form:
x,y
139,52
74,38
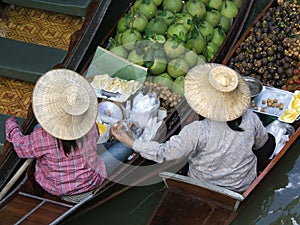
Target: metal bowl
x,y
255,86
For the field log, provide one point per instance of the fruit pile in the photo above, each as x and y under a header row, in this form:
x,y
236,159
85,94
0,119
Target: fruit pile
x,y
167,98
171,36
270,52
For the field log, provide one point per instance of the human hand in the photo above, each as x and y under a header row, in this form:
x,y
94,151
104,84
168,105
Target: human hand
x,y
120,135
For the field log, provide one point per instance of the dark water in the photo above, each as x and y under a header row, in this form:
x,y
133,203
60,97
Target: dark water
x,y
276,200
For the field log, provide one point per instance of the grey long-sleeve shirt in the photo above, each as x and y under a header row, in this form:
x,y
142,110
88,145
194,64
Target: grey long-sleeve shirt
x,y
217,154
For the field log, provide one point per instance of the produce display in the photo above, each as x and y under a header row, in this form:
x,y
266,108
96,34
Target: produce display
x,y
171,36
114,89
293,111
270,51
168,99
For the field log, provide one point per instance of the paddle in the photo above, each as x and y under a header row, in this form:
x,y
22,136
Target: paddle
x,y
13,180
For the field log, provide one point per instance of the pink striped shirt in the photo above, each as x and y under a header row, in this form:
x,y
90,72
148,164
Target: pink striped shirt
x,y
81,171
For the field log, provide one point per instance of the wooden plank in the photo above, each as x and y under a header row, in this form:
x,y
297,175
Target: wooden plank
x,y
46,213
27,61
71,7
27,209
204,194
18,208
183,208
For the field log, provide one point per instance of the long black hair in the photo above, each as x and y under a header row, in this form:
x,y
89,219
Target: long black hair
x,y
233,124
67,145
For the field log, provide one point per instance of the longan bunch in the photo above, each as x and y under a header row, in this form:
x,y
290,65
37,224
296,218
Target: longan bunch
x,y
168,99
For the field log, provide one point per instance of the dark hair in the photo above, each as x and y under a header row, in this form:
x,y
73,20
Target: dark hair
x,y
67,145
233,124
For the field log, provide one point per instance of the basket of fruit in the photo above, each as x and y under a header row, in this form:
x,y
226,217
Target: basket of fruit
x,y
168,37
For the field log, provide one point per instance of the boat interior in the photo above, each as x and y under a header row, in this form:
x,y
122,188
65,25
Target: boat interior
x,y
31,33
34,37
31,26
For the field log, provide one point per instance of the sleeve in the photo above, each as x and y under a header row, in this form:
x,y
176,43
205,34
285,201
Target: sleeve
x,y
26,146
178,146
261,135
88,145
12,127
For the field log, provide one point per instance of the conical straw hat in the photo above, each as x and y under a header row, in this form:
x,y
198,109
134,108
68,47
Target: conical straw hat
x,y
216,92
64,104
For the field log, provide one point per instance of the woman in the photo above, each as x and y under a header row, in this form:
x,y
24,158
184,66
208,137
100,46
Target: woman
x,y
65,142
221,146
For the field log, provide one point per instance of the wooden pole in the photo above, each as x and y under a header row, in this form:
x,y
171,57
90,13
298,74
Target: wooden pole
x,y
15,178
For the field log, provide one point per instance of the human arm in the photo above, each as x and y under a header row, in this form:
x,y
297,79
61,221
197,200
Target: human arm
x,y
120,135
261,135
178,146
24,145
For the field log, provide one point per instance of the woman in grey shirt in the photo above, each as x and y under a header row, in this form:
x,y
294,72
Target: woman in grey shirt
x,y
222,147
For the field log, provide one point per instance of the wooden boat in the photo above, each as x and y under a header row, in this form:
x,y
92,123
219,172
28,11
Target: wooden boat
x,y
33,203
9,160
191,201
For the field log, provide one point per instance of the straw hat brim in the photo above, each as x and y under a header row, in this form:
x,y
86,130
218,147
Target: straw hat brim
x,y
50,103
210,102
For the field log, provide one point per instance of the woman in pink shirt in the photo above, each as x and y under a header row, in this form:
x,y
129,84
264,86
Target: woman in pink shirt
x,y
65,143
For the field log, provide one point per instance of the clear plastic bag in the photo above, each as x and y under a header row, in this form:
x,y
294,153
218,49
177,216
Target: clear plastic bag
x,y
130,128
281,131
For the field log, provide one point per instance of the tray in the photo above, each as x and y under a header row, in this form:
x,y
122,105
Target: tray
x,y
271,93
114,89
254,85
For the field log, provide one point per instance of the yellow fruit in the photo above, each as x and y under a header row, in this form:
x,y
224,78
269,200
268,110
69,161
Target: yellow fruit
x,y
296,103
289,115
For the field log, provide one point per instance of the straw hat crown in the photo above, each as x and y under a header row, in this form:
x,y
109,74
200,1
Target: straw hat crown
x,y
216,92
64,104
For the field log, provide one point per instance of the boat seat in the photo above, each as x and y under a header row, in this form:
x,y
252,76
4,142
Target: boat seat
x,y
26,61
202,189
201,183
70,7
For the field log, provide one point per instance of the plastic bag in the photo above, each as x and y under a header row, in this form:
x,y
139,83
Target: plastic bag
x,y
130,128
151,129
281,131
